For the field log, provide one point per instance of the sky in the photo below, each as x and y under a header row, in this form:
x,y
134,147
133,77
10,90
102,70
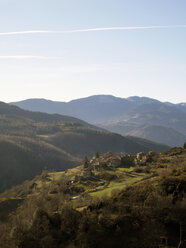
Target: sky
x,y
68,49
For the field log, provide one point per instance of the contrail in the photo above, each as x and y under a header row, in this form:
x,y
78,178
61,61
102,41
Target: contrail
x,y
90,30
26,32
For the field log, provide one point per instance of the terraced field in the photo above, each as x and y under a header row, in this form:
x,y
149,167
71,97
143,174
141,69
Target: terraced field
x,y
74,184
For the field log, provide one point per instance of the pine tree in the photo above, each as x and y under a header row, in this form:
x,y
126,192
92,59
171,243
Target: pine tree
x,y
85,162
97,155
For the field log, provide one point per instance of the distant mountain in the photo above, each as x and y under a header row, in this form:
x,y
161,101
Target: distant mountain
x,y
120,127
33,141
105,108
158,113
12,110
91,109
159,134
182,106
142,100
123,115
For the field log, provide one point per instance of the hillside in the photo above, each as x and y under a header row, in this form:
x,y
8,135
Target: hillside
x,y
158,113
11,110
159,134
156,133
122,115
32,142
138,200
86,142
23,158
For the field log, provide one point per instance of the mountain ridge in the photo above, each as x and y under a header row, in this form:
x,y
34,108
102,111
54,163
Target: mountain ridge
x,y
117,114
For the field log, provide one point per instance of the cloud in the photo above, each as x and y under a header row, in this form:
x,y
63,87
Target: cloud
x,y
90,30
26,57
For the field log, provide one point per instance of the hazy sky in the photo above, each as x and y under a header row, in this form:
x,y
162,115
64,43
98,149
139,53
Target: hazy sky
x,y
146,57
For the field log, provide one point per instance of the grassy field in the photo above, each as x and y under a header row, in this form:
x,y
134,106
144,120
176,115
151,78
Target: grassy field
x,y
78,185
126,169
95,189
116,186
56,176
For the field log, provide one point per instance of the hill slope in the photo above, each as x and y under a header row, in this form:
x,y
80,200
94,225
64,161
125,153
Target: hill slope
x,y
24,158
156,133
32,141
159,134
138,206
11,110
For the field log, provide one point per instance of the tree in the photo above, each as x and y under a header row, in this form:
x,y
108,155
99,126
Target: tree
x,y
184,146
85,162
97,155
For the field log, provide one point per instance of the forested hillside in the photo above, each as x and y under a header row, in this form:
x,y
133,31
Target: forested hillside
x,y
111,200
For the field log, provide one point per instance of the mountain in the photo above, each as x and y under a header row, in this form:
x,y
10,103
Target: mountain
x,y
31,142
91,109
140,116
159,134
156,133
11,110
134,116
182,106
106,108
136,100
158,113
121,127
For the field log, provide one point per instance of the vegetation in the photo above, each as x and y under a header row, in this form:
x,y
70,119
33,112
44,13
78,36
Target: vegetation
x,y
97,155
85,162
104,205
184,146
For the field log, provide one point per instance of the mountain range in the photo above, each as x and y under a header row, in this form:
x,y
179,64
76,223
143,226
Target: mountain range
x,y
143,117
